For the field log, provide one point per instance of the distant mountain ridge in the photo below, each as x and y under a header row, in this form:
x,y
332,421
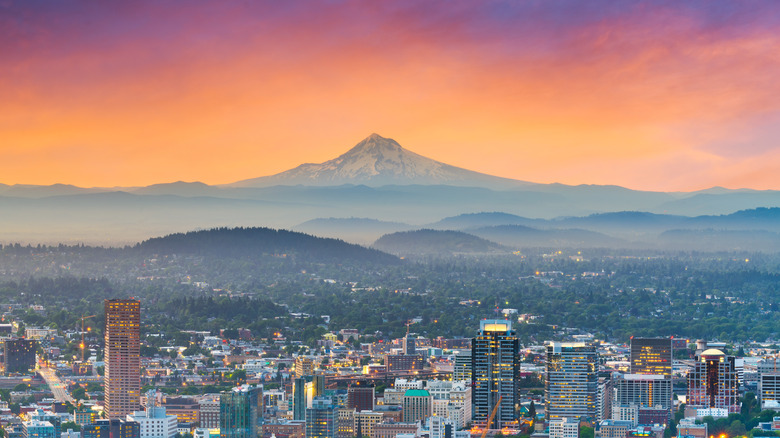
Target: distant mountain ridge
x,y
439,242
243,242
756,229
362,231
377,179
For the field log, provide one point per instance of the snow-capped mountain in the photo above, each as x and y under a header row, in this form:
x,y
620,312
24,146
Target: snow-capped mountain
x,y
378,161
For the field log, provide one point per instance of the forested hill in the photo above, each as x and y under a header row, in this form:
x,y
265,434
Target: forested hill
x,y
252,242
428,241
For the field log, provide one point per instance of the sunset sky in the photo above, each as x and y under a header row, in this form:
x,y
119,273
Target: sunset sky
x,y
649,95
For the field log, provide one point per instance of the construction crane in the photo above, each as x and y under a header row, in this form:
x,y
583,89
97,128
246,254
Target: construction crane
x,y
82,345
492,416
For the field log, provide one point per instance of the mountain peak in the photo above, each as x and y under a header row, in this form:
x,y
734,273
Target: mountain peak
x,y
378,161
374,147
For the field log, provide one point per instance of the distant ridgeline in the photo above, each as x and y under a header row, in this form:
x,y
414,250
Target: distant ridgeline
x,y
429,241
253,242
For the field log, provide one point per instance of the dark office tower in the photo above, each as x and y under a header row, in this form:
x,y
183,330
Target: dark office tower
x,y
571,386
112,429
299,398
713,382
20,355
240,411
360,397
462,367
651,356
494,370
403,362
410,346
305,388
122,379
315,387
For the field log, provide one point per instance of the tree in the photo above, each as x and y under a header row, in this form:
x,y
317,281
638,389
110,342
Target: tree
x,y
748,405
79,393
736,428
586,432
532,411
230,333
71,425
238,375
149,351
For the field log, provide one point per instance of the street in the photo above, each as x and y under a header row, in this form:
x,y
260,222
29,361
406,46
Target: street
x,y
59,390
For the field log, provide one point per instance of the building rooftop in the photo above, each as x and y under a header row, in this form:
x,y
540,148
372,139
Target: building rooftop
x,y
495,325
713,352
643,377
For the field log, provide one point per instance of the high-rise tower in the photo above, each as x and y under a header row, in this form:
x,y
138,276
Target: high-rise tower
x,y
571,387
122,358
322,419
712,383
240,412
495,366
651,356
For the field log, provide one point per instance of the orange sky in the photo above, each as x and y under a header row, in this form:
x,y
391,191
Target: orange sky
x,y
645,95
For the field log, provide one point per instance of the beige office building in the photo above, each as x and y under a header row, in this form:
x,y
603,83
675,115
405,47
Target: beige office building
x,y
122,358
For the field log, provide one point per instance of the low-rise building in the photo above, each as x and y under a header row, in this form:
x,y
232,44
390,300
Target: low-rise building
x,y
391,429
209,411
154,422
82,418
687,428
613,428
186,409
284,429
564,427
365,422
112,429
38,429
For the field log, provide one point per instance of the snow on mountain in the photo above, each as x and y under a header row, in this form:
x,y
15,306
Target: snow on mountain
x,y
378,161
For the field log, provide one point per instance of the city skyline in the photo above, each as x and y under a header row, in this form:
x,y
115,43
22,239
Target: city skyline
x,y
646,95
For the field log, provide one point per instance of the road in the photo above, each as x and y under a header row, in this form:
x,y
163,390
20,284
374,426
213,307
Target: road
x,y
59,390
